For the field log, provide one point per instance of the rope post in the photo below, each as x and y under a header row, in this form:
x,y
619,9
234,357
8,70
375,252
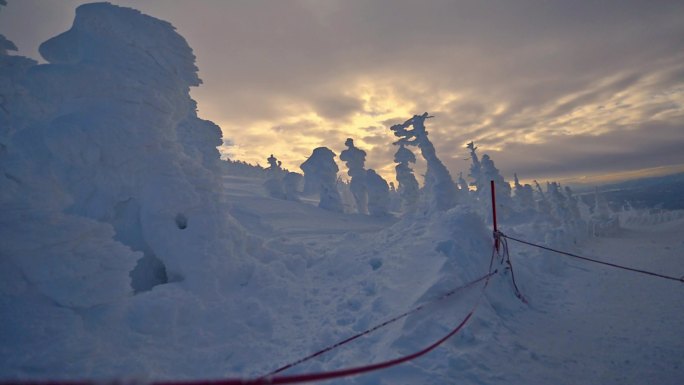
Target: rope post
x,y
496,229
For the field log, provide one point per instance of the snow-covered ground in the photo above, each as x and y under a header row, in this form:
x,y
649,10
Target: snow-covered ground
x,y
585,323
127,251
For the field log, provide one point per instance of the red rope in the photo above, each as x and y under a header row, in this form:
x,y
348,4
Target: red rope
x,y
297,378
376,327
593,260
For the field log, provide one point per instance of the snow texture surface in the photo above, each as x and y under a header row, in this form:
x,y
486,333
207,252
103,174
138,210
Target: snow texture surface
x,y
128,250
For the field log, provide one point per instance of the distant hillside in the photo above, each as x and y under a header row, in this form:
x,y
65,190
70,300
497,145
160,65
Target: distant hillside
x,y
666,192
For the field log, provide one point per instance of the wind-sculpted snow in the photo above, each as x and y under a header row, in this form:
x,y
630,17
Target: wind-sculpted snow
x,y
320,176
408,185
378,194
110,201
124,138
355,159
440,192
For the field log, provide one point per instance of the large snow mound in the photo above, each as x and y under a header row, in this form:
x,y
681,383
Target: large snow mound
x,y
110,205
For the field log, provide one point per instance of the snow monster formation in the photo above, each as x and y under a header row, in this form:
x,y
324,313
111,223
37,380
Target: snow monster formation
x,y
440,190
378,194
483,172
408,185
274,179
355,159
111,213
320,173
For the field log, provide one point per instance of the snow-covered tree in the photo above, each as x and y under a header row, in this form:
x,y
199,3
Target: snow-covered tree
x,y
524,196
274,180
395,198
292,182
408,185
355,159
440,190
603,220
320,172
462,184
558,202
378,194
543,205
483,172
573,204
108,189
475,167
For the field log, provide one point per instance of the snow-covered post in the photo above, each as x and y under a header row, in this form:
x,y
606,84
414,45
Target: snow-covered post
x,y
320,172
440,189
408,185
494,222
355,159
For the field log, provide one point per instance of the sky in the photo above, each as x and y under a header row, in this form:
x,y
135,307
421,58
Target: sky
x,y
552,90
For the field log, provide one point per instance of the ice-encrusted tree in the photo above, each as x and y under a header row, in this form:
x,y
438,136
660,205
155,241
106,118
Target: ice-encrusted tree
x,y
291,184
408,185
524,196
274,180
543,205
559,207
320,172
355,159
274,164
440,190
483,171
573,204
603,220
378,194
108,188
475,167
462,184
601,209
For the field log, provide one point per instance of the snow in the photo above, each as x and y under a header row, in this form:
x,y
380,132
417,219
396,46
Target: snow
x,y
320,177
128,250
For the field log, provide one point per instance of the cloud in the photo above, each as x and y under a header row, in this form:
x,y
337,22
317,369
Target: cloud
x,y
654,144
337,107
548,88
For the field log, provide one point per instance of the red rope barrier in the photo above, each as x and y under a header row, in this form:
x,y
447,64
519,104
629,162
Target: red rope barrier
x,y
299,378
593,260
379,326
